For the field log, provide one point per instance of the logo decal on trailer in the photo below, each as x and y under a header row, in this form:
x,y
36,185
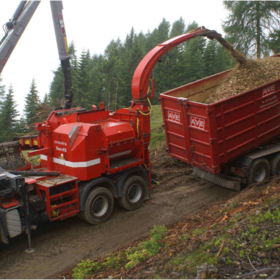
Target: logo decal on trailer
x,y
173,116
268,90
198,123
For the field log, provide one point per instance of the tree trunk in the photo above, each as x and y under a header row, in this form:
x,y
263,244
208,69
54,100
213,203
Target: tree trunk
x,y
258,30
117,89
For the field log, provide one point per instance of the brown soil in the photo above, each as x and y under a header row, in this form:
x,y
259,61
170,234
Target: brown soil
x,y
59,246
248,76
169,171
243,248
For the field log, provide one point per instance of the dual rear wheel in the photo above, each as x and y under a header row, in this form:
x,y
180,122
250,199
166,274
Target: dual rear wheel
x,y
261,169
100,201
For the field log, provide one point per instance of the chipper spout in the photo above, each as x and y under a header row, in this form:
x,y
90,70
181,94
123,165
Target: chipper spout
x,y
140,80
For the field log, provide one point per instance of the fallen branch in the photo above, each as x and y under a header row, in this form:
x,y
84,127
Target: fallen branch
x,y
274,275
221,249
242,262
258,271
184,227
250,261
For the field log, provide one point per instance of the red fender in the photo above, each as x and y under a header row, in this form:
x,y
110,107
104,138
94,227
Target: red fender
x,y
140,80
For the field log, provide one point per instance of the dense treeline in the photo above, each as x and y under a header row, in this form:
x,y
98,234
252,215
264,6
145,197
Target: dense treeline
x,y
107,77
253,26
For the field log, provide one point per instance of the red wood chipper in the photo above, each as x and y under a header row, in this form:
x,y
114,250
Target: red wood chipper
x,y
88,159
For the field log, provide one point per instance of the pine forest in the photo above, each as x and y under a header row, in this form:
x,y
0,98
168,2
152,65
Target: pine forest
x,y
107,78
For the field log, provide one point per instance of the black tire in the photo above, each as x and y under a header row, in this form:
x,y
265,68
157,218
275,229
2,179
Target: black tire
x,y
134,193
99,206
259,171
275,165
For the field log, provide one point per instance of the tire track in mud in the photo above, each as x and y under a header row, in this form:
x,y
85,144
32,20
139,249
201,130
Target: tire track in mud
x,y
60,246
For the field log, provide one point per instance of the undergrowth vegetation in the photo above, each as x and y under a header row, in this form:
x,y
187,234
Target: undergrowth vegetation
x,y
241,238
157,131
124,259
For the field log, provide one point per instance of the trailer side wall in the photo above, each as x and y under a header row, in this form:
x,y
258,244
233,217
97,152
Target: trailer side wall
x,y
208,136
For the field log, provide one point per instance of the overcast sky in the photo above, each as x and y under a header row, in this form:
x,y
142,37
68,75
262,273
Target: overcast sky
x,y
91,25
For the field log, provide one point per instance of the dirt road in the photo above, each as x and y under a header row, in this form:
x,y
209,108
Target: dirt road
x,y
60,246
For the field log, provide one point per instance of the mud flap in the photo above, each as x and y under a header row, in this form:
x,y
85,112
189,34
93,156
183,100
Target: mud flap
x,y
13,223
218,179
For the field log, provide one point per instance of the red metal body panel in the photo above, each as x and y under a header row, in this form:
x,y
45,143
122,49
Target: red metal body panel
x,y
61,202
209,136
8,203
86,144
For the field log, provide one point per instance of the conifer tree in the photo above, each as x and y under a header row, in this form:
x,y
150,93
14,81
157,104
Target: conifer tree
x,y
274,41
31,105
46,99
56,94
107,77
74,69
57,88
97,76
8,117
2,92
210,56
161,69
194,56
250,23
83,88
224,60
112,69
176,66
21,127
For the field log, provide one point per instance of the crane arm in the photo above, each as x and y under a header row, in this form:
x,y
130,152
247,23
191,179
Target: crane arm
x,y
140,80
62,46
14,29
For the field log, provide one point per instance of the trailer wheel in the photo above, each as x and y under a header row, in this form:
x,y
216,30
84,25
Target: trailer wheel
x,y
99,206
275,165
259,171
134,193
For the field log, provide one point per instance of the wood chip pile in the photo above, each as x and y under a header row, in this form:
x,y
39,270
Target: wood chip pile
x,y
248,76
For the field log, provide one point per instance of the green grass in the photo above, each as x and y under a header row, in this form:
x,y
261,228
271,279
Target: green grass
x,y
124,259
157,131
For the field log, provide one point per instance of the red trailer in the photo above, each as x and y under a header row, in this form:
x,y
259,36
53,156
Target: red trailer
x,y
229,142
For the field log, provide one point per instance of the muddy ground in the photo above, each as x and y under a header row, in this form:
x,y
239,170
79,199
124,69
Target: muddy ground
x,y
60,246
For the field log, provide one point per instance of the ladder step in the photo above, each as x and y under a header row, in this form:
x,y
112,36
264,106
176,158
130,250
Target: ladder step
x,y
63,193
65,204
65,216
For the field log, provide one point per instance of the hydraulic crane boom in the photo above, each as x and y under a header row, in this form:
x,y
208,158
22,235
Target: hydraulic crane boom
x,y
15,28
62,46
